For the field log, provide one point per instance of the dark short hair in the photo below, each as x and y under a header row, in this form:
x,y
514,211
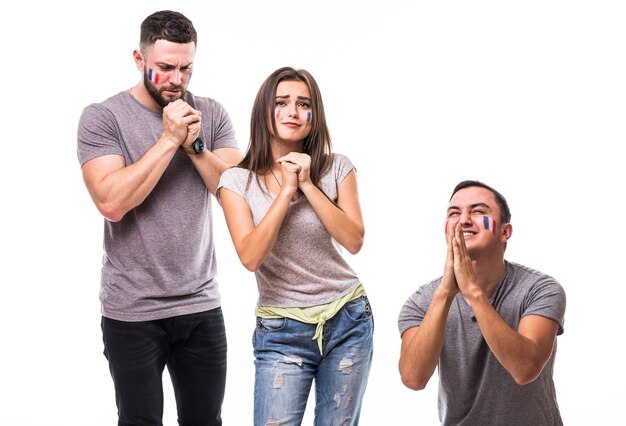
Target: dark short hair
x,y
167,25
505,212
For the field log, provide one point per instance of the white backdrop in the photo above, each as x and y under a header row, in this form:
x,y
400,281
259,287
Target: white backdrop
x,y
529,97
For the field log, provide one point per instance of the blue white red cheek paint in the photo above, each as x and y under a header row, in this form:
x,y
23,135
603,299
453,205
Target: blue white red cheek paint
x,y
277,114
308,117
489,224
153,76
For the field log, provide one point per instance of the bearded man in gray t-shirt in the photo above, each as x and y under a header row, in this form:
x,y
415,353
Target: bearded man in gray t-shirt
x,y
489,325
151,157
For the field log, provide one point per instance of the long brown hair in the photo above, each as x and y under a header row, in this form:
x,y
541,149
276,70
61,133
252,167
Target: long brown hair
x,y
317,144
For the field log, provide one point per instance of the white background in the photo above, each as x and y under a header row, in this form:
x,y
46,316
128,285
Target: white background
x,y
529,97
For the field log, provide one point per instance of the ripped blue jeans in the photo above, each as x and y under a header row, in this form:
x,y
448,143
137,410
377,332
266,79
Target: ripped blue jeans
x,y
288,360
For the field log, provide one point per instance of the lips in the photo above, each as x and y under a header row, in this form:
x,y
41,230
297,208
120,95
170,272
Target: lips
x,y
171,89
292,124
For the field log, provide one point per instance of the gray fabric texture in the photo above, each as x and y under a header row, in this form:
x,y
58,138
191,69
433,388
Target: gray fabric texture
x,y
474,388
305,267
159,260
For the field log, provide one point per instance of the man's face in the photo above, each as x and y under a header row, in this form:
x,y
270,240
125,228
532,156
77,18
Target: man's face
x,y
475,208
167,70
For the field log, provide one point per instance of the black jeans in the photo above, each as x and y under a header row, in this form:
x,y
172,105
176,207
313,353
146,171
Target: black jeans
x,y
194,349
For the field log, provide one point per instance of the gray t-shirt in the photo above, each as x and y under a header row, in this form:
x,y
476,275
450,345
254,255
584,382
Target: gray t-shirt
x,y
474,388
305,267
159,260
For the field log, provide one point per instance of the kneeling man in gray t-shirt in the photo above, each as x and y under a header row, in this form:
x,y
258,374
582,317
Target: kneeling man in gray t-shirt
x,y
490,325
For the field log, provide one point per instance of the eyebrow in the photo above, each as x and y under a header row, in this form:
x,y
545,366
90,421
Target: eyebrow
x,y
473,206
166,64
287,97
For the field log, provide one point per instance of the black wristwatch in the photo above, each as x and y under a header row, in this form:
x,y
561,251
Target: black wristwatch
x,y
196,147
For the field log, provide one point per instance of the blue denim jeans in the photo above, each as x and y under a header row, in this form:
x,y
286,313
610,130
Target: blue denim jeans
x,y
194,349
288,360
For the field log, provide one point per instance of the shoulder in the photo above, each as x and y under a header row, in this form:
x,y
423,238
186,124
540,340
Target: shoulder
x,y
539,293
110,107
239,180
236,173
236,179
103,116
415,307
531,276
107,104
340,166
120,100
425,292
340,160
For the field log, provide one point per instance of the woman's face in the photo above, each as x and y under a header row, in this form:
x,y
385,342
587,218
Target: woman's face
x,y
292,111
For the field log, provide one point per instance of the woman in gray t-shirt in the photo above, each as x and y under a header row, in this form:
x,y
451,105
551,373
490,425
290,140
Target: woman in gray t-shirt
x,y
289,205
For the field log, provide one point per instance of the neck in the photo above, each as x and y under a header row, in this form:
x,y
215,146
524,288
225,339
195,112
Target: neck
x,y
281,148
139,92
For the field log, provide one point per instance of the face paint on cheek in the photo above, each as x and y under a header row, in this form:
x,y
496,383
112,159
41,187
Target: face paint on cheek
x,y
489,224
308,117
153,76
277,114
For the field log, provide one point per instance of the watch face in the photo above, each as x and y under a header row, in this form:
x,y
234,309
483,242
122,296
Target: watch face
x,y
198,146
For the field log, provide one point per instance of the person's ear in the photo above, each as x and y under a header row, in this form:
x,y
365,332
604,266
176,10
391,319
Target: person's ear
x,y
507,231
139,60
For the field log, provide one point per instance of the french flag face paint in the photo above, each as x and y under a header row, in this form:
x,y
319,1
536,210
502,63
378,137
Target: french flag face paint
x,y
153,76
277,114
308,117
489,224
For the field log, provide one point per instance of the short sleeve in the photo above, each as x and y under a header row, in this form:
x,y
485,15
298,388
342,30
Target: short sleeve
x,y
547,299
97,134
223,132
234,179
342,167
414,310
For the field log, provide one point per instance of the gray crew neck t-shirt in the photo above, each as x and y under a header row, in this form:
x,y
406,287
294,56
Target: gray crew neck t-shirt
x,y
159,260
305,267
474,388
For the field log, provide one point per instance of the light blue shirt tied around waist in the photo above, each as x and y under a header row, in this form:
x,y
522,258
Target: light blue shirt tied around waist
x,y
318,314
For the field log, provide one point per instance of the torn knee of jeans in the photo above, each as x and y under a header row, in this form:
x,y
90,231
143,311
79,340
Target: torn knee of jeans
x,y
278,380
279,375
292,360
345,365
338,395
272,422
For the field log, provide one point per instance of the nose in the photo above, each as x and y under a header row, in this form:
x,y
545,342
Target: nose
x,y
292,110
176,77
465,219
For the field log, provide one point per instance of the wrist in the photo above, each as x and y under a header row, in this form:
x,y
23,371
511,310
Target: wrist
x,y
287,191
306,186
196,148
446,294
475,296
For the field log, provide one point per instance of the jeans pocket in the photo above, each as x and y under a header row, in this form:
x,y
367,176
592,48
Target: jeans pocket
x,y
359,309
269,325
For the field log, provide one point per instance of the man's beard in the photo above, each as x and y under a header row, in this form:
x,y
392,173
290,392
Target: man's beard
x,y
156,93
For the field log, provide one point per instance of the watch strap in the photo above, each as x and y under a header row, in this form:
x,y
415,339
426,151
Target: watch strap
x,y
189,151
